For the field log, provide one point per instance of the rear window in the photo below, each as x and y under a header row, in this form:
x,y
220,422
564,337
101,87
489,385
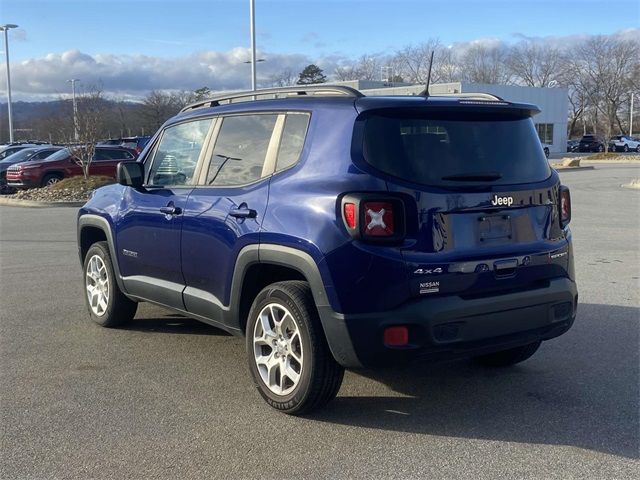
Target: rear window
x,y
445,148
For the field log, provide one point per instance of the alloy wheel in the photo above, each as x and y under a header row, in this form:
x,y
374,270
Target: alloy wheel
x,y
97,285
277,349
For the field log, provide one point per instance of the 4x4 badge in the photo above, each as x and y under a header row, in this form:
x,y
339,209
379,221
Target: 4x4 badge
x,y
427,271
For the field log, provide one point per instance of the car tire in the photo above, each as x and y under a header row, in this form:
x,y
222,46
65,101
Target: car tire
x,y
625,148
51,179
600,148
506,358
284,335
106,303
546,152
638,149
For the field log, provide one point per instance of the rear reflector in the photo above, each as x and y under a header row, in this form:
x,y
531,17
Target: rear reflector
x,y
378,219
396,336
350,214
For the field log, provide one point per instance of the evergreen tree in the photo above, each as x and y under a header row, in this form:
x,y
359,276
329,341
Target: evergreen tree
x,y
310,75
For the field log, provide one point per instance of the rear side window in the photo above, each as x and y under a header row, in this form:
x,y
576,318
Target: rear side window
x,y
293,134
240,150
176,157
449,147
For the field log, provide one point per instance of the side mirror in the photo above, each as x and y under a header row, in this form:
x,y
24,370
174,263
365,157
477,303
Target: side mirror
x,y
130,174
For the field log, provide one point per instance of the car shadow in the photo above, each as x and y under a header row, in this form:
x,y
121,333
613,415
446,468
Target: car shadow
x,y
173,323
579,390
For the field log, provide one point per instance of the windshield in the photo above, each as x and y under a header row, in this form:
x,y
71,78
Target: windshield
x,y
441,148
59,155
20,155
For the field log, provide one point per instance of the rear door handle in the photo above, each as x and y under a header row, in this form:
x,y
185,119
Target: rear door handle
x,y
171,210
243,213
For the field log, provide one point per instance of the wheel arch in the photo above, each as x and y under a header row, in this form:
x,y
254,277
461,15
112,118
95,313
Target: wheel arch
x,y
259,266
94,228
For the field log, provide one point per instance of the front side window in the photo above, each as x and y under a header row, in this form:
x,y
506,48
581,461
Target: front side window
x,y
241,149
176,157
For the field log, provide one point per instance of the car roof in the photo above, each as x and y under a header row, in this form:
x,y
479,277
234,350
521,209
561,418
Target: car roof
x,y
360,103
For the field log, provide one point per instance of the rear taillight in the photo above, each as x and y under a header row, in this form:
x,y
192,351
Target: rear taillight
x,y
565,206
378,219
372,217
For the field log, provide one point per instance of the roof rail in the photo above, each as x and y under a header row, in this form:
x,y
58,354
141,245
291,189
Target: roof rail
x,y
471,96
300,90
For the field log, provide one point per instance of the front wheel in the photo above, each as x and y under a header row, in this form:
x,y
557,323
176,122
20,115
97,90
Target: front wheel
x,y
625,148
49,180
289,359
506,358
600,148
107,305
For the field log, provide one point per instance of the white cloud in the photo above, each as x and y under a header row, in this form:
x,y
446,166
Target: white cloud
x,y
135,75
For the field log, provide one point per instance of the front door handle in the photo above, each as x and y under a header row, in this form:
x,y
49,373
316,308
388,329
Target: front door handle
x,y
171,210
243,212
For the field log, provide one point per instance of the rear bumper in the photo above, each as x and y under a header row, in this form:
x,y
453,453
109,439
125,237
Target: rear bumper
x,y
451,327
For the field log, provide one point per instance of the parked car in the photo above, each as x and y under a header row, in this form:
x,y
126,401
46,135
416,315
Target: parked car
x,y
336,230
62,164
24,155
135,143
12,148
545,149
591,143
572,145
624,143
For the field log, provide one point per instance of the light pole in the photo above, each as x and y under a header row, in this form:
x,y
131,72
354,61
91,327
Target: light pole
x,y
631,117
5,28
252,20
75,107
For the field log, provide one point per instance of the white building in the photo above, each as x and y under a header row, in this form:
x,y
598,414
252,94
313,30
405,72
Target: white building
x,y
551,122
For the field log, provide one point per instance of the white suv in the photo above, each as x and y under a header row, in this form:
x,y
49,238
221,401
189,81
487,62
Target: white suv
x,y
624,143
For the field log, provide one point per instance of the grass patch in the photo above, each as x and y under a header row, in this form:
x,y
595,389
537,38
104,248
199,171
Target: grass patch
x,y
92,182
604,156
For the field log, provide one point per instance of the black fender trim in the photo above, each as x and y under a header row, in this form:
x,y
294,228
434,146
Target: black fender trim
x,y
91,220
333,324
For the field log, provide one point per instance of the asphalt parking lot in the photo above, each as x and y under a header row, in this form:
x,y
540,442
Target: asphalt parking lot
x,y
169,397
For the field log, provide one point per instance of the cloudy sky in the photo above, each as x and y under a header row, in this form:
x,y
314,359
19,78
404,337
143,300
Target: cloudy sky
x,y
134,46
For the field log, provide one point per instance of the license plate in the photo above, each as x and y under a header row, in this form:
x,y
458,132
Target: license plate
x,y
494,228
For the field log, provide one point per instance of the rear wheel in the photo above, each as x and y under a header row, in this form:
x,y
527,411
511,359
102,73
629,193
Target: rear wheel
x,y
107,305
638,148
51,179
289,358
600,148
509,357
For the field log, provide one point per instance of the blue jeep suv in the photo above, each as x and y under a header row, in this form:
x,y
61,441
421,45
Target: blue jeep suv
x,y
336,230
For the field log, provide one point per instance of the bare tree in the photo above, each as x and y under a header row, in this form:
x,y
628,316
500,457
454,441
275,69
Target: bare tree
x,y
159,106
484,64
367,67
534,65
88,128
603,70
285,78
413,61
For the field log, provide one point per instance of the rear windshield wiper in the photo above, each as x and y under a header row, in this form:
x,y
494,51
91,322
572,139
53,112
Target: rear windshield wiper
x,y
474,177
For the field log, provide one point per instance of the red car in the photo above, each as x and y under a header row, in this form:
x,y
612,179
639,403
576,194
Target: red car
x,y
62,165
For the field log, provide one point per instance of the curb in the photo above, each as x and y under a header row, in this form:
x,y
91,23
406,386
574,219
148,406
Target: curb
x,y
14,202
567,169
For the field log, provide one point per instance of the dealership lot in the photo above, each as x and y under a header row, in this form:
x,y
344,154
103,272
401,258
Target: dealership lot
x,y
169,397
